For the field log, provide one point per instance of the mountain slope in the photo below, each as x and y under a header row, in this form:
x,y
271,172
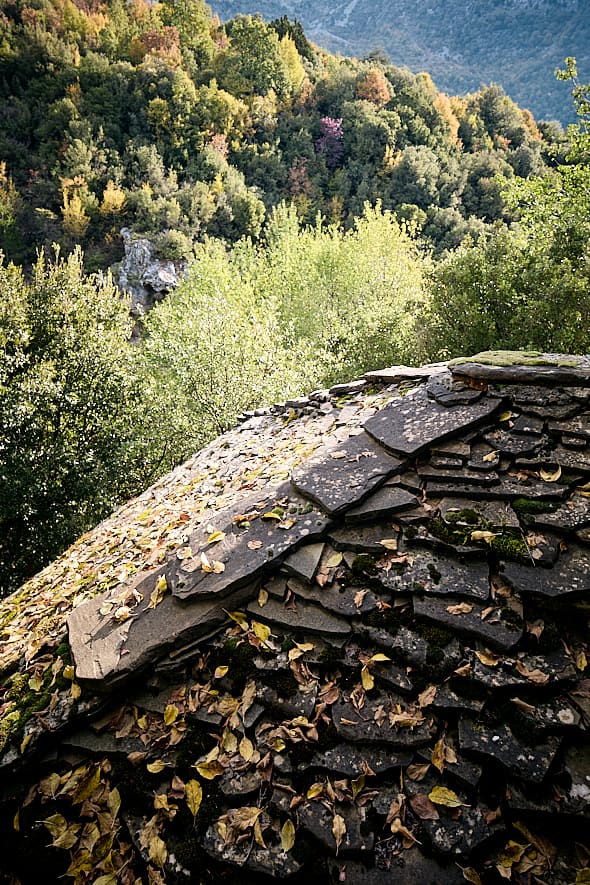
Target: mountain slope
x,y
516,43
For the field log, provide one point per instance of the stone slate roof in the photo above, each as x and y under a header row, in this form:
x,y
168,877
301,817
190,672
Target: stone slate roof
x,y
348,639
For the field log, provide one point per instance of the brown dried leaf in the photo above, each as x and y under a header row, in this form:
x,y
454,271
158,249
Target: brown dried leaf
x,y
423,807
460,609
338,830
417,771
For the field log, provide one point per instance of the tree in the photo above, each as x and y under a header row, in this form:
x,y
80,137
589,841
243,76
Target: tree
x,y
69,401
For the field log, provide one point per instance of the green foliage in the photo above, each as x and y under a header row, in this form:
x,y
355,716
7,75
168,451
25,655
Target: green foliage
x,y
68,407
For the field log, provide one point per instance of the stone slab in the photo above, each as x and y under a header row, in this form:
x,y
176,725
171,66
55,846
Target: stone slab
x,y
304,616
334,598
304,562
107,652
350,761
372,725
278,522
428,572
343,476
384,502
394,374
414,422
498,513
492,629
508,443
497,742
569,577
523,368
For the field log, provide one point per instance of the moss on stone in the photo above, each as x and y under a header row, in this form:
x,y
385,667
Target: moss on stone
x,y
364,564
517,358
526,506
510,546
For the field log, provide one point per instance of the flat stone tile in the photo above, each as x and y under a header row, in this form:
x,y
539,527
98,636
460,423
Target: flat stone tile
x,y
350,761
106,651
342,477
497,742
276,523
386,501
373,725
420,572
570,576
573,370
508,443
415,422
498,513
492,629
573,514
304,562
306,617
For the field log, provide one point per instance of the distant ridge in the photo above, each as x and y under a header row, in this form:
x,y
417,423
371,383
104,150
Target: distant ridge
x,y
515,43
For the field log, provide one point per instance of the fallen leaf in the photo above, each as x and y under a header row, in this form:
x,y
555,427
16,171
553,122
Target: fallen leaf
x,y
338,830
157,851
536,676
334,560
417,771
288,835
408,838
170,714
444,796
246,749
423,807
315,790
357,785
491,456
156,767
158,593
460,609
471,875
213,566
337,456
261,631
254,545
194,796
426,697
367,679
550,476
262,597
215,537
210,770
359,598
389,543
483,536
487,658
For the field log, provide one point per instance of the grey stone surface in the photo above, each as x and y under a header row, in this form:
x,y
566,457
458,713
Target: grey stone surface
x,y
373,723
278,523
563,370
303,616
304,562
352,761
498,513
343,476
569,577
492,628
420,572
415,422
386,501
498,742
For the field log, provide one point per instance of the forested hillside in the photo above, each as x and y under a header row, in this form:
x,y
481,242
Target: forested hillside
x,y
337,216
516,43
157,117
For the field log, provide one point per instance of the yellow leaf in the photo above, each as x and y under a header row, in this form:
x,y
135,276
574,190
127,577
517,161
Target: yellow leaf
x,y
122,613
357,785
338,830
26,741
35,683
194,796
75,691
220,672
471,875
367,679
389,543
583,876
246,749
581,661
87,786
158,851
261,631
443,796
408,838
262,597
483,536
550,476
16,821
487,658
214,537
511,853
156,767
229,741
171,714
315,790
506,416
158,593
491,456
114,802
438,755
106,879
288,835
272,514
379,658
277,744
209,770
68,672
213,566
334,560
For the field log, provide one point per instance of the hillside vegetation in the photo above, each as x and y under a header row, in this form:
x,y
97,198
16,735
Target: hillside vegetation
x,y
338,216
516,43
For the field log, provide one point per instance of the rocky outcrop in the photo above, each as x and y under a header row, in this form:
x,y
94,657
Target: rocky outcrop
x,y
143,275
347,640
